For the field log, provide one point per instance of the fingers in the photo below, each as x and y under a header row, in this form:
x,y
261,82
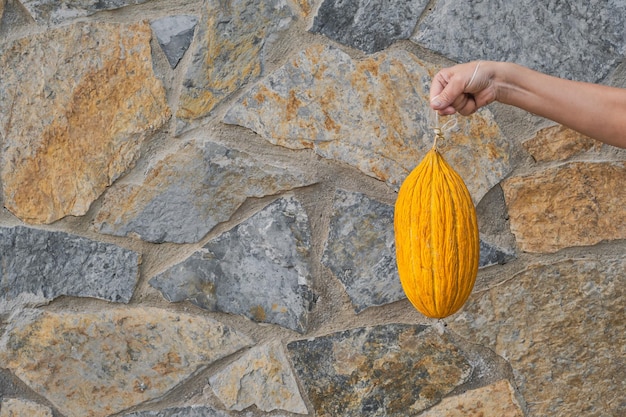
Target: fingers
x,y
445,89
448,90
465,104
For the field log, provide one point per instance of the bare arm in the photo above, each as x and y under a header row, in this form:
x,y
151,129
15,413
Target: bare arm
x,y
595,110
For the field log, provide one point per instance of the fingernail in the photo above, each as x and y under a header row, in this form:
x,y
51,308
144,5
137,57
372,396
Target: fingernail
x,y
435,102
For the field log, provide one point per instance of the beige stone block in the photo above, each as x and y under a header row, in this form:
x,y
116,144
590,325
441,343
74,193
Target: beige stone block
x,y
495,400
575,204
372,114
76,103
14,407
94,364
262,377
562,327
558,143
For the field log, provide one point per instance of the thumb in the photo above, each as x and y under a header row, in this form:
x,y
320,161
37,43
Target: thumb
x,y
452,89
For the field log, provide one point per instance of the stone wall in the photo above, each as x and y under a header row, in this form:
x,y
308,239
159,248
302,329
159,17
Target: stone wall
x,y
198,212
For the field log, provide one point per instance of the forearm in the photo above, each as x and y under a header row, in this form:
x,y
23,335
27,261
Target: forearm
x,y
595,110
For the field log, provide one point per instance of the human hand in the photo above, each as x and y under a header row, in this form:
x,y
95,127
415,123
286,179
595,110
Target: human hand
x,y
463,88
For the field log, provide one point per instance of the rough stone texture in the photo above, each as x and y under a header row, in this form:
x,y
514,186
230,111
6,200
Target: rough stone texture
x,y
190,191
14,17
370,26
562,328
491,254
360,250
326,117
574,39
497,243
1,9
258,269
92,364
574,204
229,53
42,265
306,6
54,11
495,400
390,370
75,105
198,411
372,114
14,407
261,377
174,34
192,411
558,143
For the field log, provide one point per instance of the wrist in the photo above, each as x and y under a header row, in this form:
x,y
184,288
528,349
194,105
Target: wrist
x,y
509,82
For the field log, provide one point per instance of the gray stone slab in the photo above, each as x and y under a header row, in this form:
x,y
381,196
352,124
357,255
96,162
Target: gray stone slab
x,y
577,39
13,16
491,254
188,192
195,411
198,411
367,25
259,269
54,11
174,34
42,265
360,250
388,370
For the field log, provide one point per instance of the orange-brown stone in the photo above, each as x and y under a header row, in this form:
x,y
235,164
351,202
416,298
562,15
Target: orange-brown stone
x,y
229,51
78,102
575,204
558,143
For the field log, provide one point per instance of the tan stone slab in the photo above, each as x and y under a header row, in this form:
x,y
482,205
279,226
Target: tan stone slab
x,y
558,143
262,377
562,327
1,9
14,407
97,364
229,48
495,400
575,204
76,103
372,114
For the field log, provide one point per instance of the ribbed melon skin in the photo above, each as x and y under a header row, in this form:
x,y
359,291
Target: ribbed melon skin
x,y
436,234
